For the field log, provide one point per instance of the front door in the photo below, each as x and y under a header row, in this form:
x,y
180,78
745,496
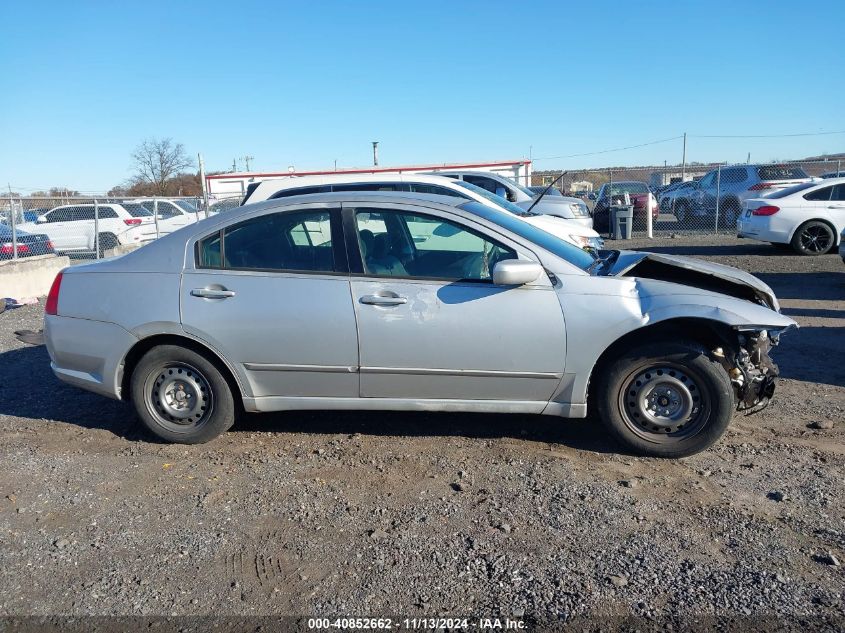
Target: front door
x,y
272,294
431,323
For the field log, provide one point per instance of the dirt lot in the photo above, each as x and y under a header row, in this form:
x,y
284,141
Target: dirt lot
x,y
368,513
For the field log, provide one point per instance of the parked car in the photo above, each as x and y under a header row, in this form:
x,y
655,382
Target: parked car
x,y
834,174
809,216
31,215
73,229
737,183
391,300
614,193
28,244
172,214
504,187
568,230
677,200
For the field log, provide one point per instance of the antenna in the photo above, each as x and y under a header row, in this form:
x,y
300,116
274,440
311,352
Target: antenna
x,y
246,160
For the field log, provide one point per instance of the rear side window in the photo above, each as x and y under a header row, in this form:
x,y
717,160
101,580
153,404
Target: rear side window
x,y
780,172
301,191
437,190
370,186
819,194
838,193
790,190
300,241
737,174
136,210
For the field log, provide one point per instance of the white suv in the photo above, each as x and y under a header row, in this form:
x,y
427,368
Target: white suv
x,y
73,228
172,214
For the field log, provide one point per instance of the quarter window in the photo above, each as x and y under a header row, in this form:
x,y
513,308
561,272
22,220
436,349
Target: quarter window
x,y
401,244
299,241
838,193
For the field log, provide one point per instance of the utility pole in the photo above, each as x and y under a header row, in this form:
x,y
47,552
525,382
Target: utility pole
x,y
748,160
375,153
204,184
246,160
684,160
234,165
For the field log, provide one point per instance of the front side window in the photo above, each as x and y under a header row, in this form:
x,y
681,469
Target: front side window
x,y
404,244
296,241
485,183
60,215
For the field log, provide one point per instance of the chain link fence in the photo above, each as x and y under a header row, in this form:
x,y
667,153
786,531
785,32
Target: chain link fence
x,y
692,198
89,227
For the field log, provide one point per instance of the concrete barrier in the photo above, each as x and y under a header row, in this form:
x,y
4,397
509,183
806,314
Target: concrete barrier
x,y
121,249
30,276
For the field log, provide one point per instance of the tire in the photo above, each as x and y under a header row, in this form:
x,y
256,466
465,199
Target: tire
x,y
682,213
729,212
694,389
205,408
813,238
106,241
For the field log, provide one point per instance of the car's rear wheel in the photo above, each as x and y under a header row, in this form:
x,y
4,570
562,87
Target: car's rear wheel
x,y
682,212
180,396
729,211
666,400
106,241
813,238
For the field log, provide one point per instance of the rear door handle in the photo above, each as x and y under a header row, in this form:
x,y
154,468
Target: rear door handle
x,y
380,300
210,293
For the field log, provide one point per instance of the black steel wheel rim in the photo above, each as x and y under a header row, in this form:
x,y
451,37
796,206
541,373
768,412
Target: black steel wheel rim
x,y
178,397
664,403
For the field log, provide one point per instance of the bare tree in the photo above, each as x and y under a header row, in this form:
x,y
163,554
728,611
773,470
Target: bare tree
x,y
157,161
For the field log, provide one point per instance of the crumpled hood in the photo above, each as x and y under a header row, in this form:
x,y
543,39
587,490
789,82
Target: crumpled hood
x,y
694,272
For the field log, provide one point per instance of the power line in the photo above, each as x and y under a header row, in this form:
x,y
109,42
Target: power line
x,y
607,151
764,135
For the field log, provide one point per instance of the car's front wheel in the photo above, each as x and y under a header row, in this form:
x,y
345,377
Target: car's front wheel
x,y
180,396
665,399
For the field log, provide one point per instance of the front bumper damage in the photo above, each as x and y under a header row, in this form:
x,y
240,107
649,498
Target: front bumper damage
x,y
752,370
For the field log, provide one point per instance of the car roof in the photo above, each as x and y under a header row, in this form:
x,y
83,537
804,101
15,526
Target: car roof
x,y
267,188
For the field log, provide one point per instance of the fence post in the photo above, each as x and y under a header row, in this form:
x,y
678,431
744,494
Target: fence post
x,y
718,192
97,228
838,168
155,214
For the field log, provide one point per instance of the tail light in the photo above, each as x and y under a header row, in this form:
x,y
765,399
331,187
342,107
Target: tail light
x,y
52,305
8,248
49,245
132,221
761,185
766,210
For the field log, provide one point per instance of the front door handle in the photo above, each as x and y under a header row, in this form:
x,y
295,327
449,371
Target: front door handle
x,y
382,300
212,293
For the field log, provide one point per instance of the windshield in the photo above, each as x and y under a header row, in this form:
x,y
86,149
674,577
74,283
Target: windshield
x,y
621,188
525,190
793,189
569,252
136,210
187,206
499,201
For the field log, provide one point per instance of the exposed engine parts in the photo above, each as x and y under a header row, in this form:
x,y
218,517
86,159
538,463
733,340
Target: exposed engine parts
x,y
752,370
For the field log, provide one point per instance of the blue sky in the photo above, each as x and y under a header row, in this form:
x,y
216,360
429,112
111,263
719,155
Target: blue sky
x,y
306,84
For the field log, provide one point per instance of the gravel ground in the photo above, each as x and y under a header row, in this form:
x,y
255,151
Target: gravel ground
x,y
337,514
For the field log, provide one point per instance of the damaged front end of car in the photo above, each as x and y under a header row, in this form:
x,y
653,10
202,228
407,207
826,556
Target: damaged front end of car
x,y
750,367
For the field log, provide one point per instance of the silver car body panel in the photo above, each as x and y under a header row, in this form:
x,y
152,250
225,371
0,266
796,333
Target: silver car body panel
x,y
306,341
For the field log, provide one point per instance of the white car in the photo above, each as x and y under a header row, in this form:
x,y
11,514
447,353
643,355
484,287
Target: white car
x,y
568,230
173,214
74,229
559,206
809,216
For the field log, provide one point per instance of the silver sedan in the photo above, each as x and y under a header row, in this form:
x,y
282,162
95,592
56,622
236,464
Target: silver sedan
x,y
386,301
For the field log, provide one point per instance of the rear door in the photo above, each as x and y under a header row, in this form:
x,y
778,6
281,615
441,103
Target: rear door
x,y
272,294
433,325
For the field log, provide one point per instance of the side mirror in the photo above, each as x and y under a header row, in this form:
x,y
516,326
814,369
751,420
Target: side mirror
x,y
42,219
516,272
